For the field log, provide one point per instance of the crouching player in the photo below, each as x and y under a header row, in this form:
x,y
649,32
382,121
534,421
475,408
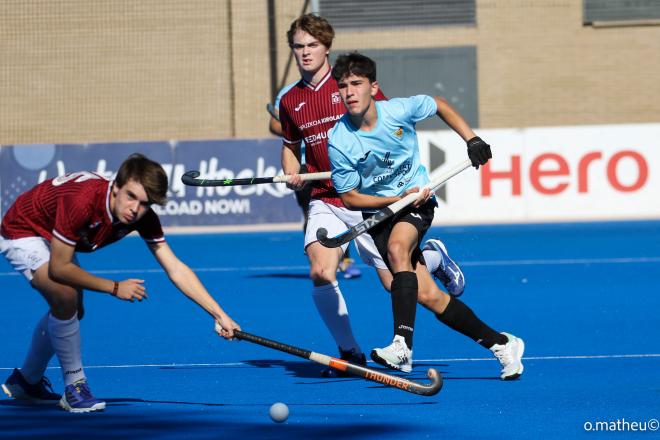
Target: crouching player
x,y
375,162
82,212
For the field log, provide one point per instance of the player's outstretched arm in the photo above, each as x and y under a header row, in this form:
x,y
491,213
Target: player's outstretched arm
x,y
62,269
478,150
453,119
188,283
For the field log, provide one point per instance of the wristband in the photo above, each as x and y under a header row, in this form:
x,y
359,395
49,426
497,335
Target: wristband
x,y
115,288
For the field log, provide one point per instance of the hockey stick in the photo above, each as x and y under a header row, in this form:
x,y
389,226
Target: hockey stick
x,y
383,214
190,178
356,370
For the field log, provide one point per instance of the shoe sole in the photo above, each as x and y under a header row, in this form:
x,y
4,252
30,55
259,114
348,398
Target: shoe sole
x,y
440,247
518,373
385,363
16,392
66,407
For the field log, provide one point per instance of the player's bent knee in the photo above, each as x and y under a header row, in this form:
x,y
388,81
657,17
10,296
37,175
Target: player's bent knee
x,y
322,273
64,303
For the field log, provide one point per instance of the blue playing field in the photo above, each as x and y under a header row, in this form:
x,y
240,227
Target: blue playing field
x,y
584,297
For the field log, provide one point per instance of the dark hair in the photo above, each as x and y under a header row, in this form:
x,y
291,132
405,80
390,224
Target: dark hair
x,y
147,173
316,26
354,64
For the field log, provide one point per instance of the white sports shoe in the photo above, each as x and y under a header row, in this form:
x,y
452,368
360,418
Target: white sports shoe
x,y
510,357
397,355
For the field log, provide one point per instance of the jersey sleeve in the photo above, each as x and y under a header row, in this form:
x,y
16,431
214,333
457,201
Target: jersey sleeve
x,y
345,175
73,213
150,229
290,133
281,93
418,108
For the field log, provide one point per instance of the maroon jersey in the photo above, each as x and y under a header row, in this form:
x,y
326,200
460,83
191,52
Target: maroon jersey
x,y
307,114
75,208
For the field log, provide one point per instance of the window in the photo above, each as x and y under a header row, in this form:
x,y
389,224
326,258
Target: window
x,y
357,14
621,12
450,72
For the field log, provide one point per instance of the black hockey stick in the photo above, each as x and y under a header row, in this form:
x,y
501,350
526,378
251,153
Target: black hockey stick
x,y
190,178
383,214
356,370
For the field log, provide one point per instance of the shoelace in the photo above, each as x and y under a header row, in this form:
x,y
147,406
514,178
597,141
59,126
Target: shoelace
x,y
503,355
400,350
83,389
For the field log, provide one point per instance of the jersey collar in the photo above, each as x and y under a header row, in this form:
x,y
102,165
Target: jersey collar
x,y
318,86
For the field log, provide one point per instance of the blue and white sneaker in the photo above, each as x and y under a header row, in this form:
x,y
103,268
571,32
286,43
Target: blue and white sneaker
x,y
78,398
40,393
348,269
448,272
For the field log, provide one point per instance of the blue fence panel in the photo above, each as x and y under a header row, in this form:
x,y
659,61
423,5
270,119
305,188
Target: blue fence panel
x,y
23,166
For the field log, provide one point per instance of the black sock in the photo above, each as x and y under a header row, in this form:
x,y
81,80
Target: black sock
x,y
461,318
404,304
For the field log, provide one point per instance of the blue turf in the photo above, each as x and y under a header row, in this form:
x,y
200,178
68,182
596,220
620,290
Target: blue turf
x,y
572,291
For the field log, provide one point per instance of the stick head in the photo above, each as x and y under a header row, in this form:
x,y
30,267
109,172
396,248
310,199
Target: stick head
x,y
322,234
189,178
436,382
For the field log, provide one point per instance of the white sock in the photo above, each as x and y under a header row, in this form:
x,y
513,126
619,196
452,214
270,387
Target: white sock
x,y
433,260
65,337
332,308
40,352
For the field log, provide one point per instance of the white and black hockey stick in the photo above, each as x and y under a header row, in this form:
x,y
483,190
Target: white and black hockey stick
x,y
190,178
383,214
389,380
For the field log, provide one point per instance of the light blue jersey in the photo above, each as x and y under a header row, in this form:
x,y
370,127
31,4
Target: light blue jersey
x,y
281,93
383,162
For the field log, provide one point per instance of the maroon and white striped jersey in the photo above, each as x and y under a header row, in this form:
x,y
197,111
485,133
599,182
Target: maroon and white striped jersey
x,y
307,114
75,208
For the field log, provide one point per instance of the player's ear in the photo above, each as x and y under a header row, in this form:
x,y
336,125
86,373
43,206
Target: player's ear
x,y
374,88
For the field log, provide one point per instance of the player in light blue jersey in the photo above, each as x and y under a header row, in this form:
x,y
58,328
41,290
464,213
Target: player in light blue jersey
x,y
375,162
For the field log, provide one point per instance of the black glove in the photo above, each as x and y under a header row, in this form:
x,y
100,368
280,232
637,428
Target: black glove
x,y
478,151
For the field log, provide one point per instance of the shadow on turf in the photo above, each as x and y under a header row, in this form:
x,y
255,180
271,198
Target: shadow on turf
x,y
310,370
20,421
302,276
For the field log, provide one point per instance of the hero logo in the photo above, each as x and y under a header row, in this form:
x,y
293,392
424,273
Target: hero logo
x,y
554,165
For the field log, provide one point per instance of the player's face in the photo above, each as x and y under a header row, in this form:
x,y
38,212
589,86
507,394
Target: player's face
x,y
130,202
310,53
357,93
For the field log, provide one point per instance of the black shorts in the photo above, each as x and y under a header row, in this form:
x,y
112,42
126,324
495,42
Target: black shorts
x,y
421,218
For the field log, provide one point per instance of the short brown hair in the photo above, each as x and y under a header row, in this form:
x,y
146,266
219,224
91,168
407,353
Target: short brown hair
x,y
354,63
147,173
316,26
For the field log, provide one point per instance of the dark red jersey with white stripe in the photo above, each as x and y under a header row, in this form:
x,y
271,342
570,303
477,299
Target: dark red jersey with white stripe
x,y
75,208
307,114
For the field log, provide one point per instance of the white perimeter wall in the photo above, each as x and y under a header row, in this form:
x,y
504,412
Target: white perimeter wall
x,y
553,174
